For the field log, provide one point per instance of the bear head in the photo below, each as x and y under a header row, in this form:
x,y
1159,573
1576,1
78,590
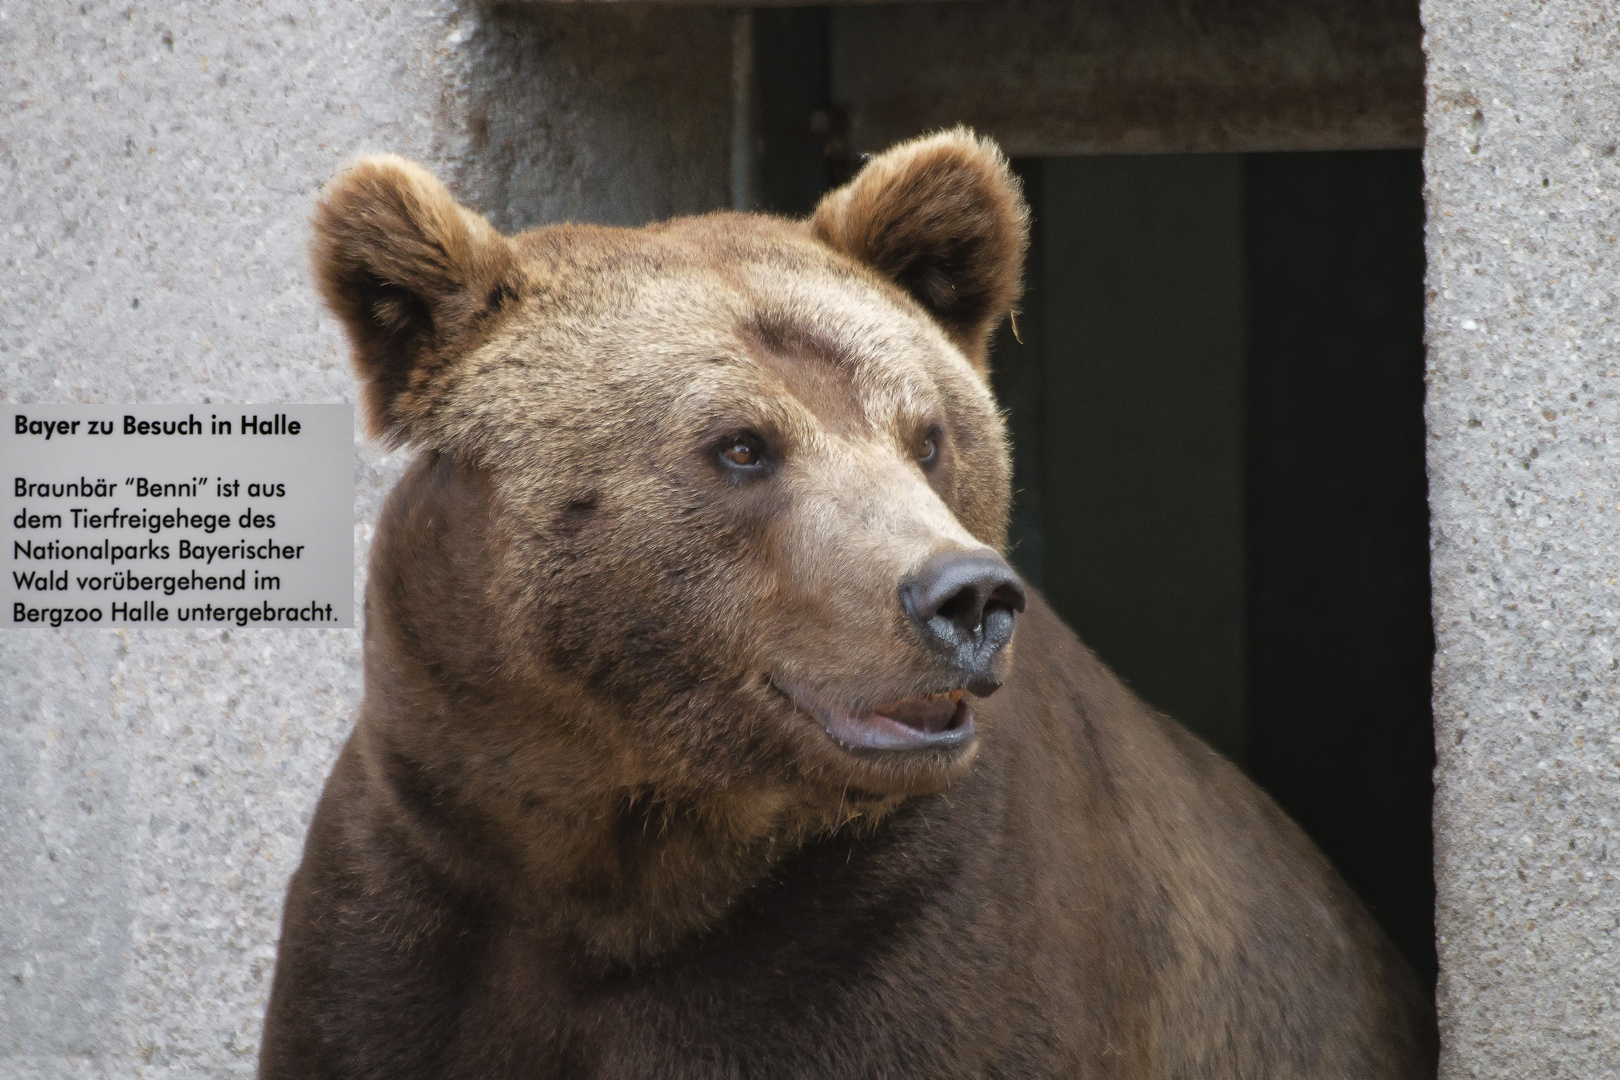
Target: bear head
x,y
710,516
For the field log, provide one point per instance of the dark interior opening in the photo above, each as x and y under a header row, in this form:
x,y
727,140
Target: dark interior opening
x,y
1217,419
1217,415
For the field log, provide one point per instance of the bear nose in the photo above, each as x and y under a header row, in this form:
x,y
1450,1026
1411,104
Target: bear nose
x,y
963,604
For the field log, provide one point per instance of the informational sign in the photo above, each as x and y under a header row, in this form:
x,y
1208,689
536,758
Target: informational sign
x,y
178,516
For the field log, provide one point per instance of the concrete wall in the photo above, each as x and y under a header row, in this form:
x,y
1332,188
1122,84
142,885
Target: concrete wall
x,y
1134,76
1524,473
155,786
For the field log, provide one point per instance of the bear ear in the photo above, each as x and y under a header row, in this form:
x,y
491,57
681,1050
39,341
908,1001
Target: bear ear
x,y
414,277
944,218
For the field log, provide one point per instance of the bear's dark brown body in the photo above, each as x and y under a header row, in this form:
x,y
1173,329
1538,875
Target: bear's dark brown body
x,y
682,752
1102,897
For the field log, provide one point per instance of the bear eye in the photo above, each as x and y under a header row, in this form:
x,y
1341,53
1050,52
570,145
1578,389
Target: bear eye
x,y
745,451
928,452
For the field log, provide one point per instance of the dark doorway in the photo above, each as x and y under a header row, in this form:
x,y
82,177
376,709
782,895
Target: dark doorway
x,y
1217,418
1134,356
1339,639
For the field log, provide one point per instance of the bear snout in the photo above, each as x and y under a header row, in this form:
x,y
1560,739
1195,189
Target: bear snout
x,y
964,605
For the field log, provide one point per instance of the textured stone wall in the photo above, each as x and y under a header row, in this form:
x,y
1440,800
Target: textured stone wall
x,y
1135,76
159,162
1524,474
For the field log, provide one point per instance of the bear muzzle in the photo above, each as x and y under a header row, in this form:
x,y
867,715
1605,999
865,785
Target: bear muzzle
x,y
963,605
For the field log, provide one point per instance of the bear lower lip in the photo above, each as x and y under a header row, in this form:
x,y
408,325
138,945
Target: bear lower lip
x,y
932,721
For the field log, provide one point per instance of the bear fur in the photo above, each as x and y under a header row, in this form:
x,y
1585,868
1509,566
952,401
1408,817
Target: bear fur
x,y
619,803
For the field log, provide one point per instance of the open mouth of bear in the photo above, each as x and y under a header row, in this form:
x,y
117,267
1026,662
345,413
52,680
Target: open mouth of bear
x,y
928,721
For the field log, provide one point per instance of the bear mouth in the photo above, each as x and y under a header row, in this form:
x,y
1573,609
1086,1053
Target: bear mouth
x,y
927,721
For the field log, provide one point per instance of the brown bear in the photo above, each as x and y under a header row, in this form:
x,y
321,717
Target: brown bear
x,y
695,740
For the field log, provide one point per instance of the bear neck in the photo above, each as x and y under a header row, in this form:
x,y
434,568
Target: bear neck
x,y
615,873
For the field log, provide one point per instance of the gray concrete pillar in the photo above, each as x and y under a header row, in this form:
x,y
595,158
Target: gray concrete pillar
x,y
1524,482
159,165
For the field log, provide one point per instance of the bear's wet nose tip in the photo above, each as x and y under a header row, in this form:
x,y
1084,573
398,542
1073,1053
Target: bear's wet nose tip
x,y
963,604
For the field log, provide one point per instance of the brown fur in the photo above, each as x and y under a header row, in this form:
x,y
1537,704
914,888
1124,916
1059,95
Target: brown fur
x,y
580,829
411,274
943,218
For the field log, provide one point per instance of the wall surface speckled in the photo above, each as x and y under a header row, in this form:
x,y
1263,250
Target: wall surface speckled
x,y
1524,474
155,785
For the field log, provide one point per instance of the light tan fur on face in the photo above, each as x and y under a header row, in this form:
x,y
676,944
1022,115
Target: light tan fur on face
x,y
647,610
